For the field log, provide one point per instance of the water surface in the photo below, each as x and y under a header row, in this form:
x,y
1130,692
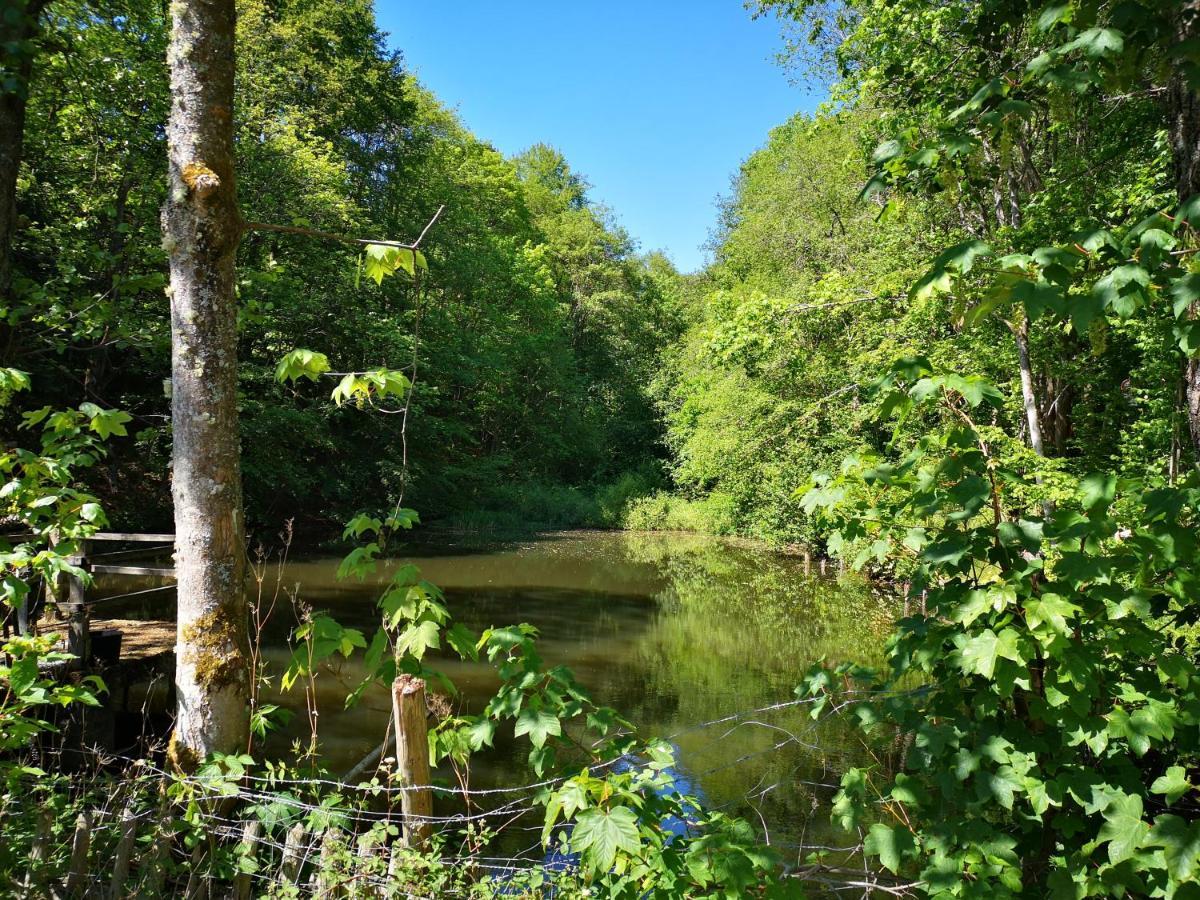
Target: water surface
x,y
674,631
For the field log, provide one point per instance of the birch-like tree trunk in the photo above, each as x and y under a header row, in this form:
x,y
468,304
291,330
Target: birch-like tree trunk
x,y
201,228
1028,391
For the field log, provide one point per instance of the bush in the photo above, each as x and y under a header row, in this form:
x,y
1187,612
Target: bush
x,y
1051,711
714,514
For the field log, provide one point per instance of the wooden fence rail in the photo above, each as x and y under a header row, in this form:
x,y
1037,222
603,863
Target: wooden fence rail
x,y
71,599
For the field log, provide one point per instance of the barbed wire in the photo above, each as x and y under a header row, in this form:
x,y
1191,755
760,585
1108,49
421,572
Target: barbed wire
x,y
300,822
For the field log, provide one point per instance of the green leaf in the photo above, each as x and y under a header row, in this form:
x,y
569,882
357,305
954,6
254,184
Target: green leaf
x,y
106,422
891,843
948,267
92,512
1123,289
979,652
12,380
1123,828
1180,841
463,641
418,638
301,364
1096,492
1051,611
538,724
23,675
360,525
1097,43
481,733
601,834
1174,784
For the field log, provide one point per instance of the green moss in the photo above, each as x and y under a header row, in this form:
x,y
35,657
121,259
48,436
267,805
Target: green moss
x,y
181,757
213,645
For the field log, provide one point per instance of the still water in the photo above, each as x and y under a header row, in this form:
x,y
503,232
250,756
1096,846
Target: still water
x,y
674,631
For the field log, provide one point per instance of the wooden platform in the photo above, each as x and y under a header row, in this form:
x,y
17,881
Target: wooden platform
x,y
139,639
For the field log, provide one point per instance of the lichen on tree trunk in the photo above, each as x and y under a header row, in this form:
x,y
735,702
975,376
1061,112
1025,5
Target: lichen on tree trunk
x,y
201,227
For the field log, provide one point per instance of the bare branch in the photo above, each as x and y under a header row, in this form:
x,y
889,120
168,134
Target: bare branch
x,y
345,239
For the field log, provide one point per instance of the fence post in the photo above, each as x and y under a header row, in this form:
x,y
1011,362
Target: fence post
x,y
116,890
77,875
77,613
198,881
38,852
293,855
242,888
326,878
412,758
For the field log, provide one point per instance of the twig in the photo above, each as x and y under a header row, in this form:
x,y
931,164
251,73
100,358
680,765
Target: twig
x,y
343,238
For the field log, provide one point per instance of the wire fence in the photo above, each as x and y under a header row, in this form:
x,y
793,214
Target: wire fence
x,y
129,827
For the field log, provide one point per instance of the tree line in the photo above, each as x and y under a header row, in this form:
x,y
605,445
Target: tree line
x,y
545,317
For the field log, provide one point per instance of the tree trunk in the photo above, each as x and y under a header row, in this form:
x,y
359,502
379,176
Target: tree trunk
x,y
1028,392
201,229
18,33
1183,107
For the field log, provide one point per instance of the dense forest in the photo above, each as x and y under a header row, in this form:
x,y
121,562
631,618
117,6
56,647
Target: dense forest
x,y
256,277
533,333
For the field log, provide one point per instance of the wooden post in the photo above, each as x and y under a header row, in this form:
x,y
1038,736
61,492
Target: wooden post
x,y
77,875
155,862
412,758
77,614
242,888
367,867
325,878
116,890
293,855
38,853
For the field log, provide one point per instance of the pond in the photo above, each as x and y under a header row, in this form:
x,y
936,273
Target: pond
x,y
692,638
674,631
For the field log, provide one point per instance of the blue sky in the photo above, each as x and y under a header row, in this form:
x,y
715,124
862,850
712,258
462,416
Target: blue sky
x,y
655,102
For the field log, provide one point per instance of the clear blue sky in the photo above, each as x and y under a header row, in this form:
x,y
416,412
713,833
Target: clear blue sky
x,y
656,103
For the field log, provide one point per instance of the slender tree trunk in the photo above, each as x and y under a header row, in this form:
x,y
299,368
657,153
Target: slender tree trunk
x,y
201,230
1028,392
18,29
1183,107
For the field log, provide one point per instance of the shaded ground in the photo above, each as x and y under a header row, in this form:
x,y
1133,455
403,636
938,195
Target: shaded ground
x,y
139,639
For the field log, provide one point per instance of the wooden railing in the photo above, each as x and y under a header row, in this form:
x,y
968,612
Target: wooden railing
x,y
74,607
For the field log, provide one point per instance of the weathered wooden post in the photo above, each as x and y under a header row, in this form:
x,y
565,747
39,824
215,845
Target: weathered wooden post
x,y
412,758
34,880
198,880
68,594
77,875
242,887
76,610
326,879
116,890
293,854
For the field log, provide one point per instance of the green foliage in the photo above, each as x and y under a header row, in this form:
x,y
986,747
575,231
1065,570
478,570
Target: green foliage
x,y
41,495
539,325
1053,709
27,692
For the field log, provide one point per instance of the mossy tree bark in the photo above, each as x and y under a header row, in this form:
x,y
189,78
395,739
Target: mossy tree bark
x,y
201,228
